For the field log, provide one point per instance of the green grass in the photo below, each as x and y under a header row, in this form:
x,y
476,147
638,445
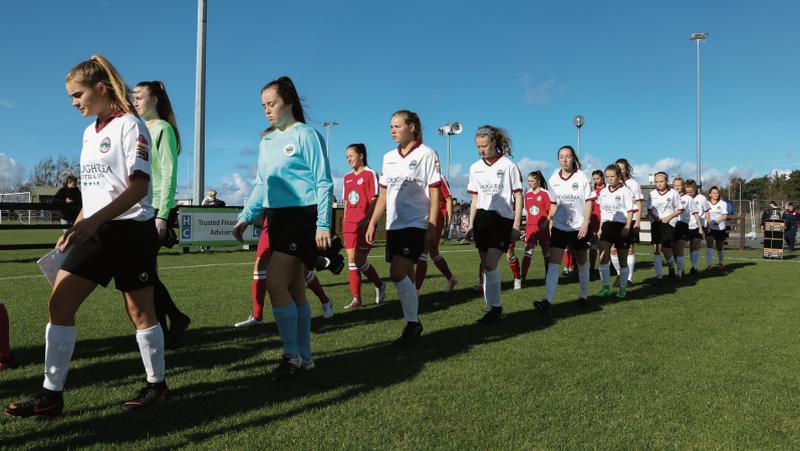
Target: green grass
x,y
709,364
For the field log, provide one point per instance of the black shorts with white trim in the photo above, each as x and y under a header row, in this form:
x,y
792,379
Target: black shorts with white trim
x,y
563,239
492,231
663,234
611,232
124,250
408,243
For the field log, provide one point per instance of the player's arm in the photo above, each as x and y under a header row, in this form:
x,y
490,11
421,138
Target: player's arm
x,y
378,211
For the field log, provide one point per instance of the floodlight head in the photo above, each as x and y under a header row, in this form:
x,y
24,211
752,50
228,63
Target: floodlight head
x,y
699,36
456,128
444,129
578,120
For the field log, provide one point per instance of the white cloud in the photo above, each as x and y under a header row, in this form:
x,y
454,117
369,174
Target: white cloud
x,y
541,93
11,173
235,189
7,103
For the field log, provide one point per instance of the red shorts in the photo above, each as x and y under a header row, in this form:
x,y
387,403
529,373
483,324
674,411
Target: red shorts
x,y
354,238
537,236
263,244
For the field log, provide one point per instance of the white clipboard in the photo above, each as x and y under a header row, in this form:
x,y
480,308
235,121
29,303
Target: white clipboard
x,y
51,263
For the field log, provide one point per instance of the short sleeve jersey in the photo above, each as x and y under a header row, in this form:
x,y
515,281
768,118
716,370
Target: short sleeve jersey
x,y
407,180
537,210
700,206
635,188
495,184
112,154
663,204
717,211
686,203
615,204
358,191
570,194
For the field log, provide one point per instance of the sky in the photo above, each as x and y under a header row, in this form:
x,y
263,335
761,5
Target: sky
x,y
628,67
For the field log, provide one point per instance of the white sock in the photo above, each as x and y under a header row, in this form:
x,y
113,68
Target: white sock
x,y
709,256
671,262
551,281
721,255
605,274
151,347
491,288
631,265
407,292
681,265
615,262
694,256
659,267
583,280
59,344
623,275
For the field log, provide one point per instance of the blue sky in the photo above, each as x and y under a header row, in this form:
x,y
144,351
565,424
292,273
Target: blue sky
x,y
628,67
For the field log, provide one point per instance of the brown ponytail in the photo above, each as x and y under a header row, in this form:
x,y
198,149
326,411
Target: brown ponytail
x,y
98,70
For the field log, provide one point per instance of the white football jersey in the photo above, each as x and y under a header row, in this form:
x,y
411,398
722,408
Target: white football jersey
x,y
570,195
686,203
635,188
407,181
495,184
615,204
717,211
665,204
109,158
700,206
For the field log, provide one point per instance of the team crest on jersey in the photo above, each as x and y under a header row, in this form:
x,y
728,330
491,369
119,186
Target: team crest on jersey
x,y
142,148
617,198
353,197
105,145
292,247
575,186
360,182
500,173
538,198
412,165
406,251
534,210
289,149
143,277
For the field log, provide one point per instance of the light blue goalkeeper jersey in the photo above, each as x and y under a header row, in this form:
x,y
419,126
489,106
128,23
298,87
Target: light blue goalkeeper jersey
x,y
293,171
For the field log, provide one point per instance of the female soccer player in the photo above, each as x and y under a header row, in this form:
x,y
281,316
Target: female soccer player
x,y
638,199
114,236
360,194
681,227
571,197
665,209
617,208
153,105
445,216
715,236
259,284
293,184
494,183
697,222
594,222
409,195
537,224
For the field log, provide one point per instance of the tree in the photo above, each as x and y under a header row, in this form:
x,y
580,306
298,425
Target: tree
x,y
50,172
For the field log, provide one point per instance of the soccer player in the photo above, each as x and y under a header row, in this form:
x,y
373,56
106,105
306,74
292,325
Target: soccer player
x,y
594,222
293,183
495,184
114,236
698,219
153,105
445,216
571,197
715,235
638,199
409,195
360,194
665,209
681,227
259,284
617,208
537,224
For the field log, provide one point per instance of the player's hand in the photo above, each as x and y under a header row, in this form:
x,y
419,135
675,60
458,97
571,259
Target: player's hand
x,y
515,234
430,237
323,239
636,227
625,231
161,227
370,235
238,230
583,231
665,221
470,234
78,233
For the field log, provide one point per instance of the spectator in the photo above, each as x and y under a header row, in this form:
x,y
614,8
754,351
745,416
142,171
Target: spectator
x,y
69,198
212,201
790,220
455,224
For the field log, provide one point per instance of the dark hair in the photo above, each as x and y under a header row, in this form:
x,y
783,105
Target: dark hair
x,y
284,86
576,163
360,149
539,176
690,184
70,178
790,204
627,171
617,170
499,136
597,172
411,118
715,187
163,105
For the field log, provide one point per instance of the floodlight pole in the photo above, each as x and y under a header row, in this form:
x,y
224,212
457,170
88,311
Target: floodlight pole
x,y
328,126
199,105
698,38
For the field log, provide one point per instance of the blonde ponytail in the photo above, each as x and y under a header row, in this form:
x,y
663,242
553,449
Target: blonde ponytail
x,y
98,70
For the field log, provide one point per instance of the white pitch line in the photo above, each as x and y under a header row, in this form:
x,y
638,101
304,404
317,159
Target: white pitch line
x,y
214,265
